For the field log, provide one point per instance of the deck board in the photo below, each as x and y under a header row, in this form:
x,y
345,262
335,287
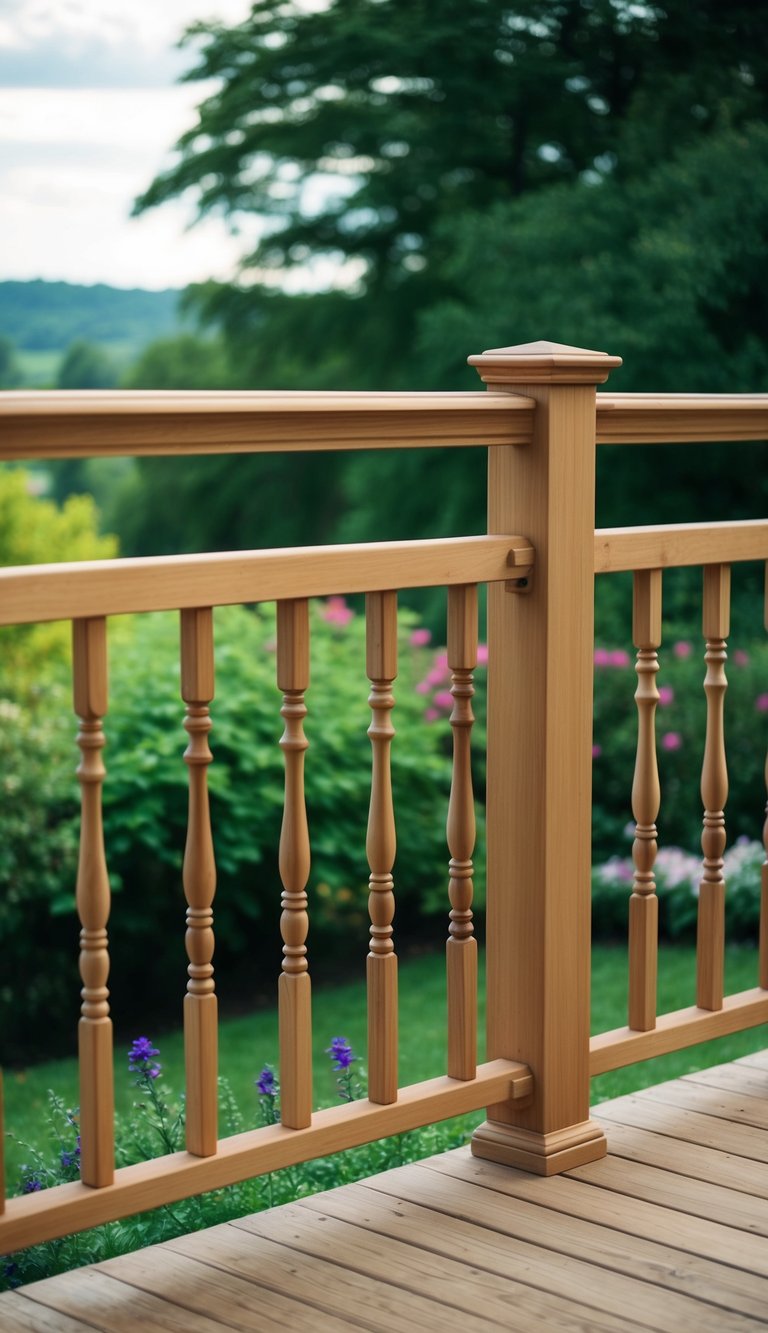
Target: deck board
x,y
669,1232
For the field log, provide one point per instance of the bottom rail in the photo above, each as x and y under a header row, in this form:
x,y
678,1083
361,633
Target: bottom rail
x,y
673,1032
68,1208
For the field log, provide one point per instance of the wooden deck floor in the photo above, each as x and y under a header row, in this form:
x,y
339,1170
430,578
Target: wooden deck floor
x,y
669,1232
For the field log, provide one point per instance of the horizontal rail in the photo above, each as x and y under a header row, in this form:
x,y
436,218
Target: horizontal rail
x,y
100,423
671,545
680,418
675,1031
69,1208
35,593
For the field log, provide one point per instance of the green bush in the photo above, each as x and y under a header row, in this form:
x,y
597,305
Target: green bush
x,y
145,814
678,875
680,732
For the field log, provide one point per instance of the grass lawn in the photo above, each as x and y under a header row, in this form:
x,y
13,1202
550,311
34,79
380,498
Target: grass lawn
x,y
248,1042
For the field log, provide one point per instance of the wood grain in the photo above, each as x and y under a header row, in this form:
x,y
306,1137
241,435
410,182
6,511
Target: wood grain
x,y
166,583
294,989
646,796
97,1113
461,948
69,1208
103,423
676,1030
710,939
680,418
666,546
380,846
199,878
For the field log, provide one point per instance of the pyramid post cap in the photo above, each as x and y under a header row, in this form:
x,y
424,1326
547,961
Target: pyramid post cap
x,y
544,362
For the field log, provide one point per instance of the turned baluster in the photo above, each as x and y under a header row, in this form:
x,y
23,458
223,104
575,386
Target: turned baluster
x,y
294,988
764,873
714,792
461,948
199,877
381,661
643,904
97,1160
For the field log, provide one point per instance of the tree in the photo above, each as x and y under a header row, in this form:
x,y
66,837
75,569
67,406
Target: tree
x,y
489,173
10,371
358,131
86,366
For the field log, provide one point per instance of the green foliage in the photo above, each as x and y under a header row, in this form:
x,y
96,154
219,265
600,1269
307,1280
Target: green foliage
x,y
86,366
48,316
681,723
35,531
10,370
145,809
184,362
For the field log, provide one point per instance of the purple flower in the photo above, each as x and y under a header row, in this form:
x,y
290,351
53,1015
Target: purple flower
x,y
741,658
431,715
671,740
761,703
602,657
682,649
666,695
443,699
619,658
423,687
336,611
482,654
420,638
341,1053
140,1058
597,750
267,1083
31,1185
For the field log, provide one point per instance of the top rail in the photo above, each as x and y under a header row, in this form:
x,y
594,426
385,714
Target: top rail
x,y
96,423
680,418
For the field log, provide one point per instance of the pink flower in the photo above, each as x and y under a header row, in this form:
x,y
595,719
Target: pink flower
x,y
443,699
761,703
441,661
436,676
423,687
431,715
682,649
619,658
597,750
420,638
336,611
741,658
482,654
602,657
666,695
671,740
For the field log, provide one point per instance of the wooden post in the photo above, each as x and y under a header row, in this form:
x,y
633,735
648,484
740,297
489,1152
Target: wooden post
x,y
646,798
380,846
539,774
199,877
97,1114
294,987
461,948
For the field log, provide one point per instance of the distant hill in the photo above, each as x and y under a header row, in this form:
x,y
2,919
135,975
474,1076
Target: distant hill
x,y
47,316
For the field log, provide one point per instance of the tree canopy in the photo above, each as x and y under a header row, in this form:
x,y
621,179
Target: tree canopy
x,y
479,173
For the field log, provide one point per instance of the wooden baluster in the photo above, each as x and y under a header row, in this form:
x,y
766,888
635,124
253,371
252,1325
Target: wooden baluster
x,y
97,1160
461,949
764,887
714,792
199,876
643,904
295,995
381,655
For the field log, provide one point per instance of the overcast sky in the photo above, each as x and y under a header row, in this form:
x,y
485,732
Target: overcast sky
x,y
89,110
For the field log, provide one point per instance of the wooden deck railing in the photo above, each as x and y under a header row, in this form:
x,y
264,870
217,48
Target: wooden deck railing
x,y
540,421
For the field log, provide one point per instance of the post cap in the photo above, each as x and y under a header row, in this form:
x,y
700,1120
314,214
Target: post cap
x,y
543,363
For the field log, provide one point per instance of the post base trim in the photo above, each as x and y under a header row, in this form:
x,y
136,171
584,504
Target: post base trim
x,y
541,1154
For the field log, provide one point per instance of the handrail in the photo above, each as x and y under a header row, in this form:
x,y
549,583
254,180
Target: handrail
x,y
680,418
67,591
100,423
671,545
